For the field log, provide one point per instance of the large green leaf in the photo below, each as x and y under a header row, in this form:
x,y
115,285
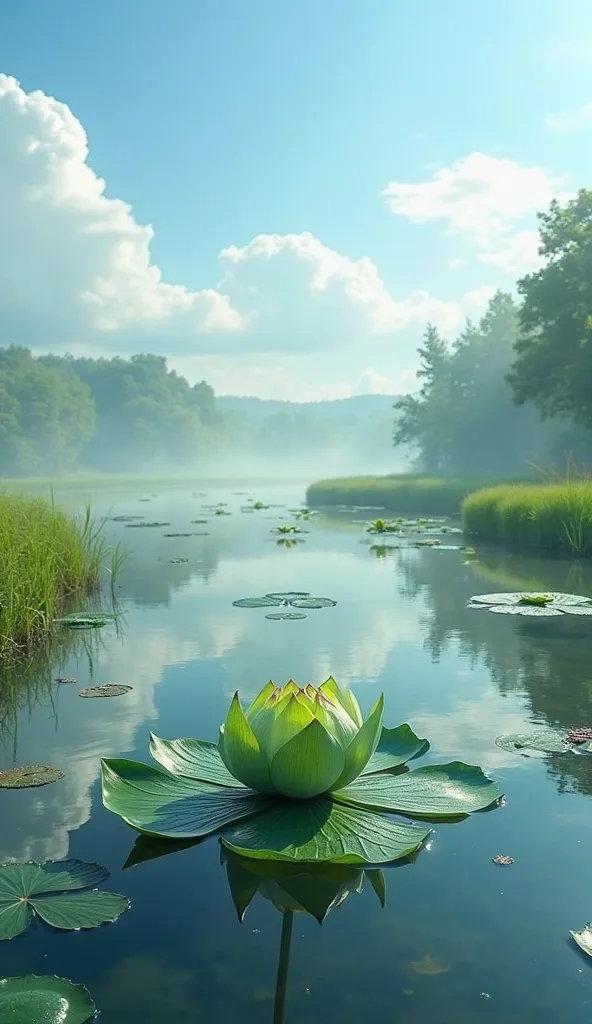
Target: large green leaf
x,y
396,747
54,892
158,804
320,831
193,759
436,790
43,1000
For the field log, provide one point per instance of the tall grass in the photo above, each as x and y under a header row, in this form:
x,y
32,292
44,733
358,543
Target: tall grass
x,y
549,516
401,493
47,558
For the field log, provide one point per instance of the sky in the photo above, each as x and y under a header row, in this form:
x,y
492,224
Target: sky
x,y
279,195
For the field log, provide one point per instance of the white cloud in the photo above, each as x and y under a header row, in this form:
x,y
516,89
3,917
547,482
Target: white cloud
x,y
79,273
485,198
575,120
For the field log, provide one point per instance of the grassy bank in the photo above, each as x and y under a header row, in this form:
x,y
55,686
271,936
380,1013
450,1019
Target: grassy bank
x,y
403,493
46,559
547,517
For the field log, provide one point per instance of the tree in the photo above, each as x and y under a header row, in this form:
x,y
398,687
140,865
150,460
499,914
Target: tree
x,y
553,364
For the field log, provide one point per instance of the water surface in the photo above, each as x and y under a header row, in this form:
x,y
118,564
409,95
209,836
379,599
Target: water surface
x,y
460,939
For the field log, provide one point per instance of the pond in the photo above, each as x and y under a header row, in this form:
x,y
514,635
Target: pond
x,y
460,938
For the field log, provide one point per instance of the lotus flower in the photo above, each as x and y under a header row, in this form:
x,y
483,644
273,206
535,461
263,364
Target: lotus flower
x,y
299,742
313,747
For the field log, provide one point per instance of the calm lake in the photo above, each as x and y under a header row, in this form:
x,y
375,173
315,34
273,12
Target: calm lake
x,y
461,940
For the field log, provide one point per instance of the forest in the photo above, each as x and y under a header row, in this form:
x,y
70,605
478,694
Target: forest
x,y
513,392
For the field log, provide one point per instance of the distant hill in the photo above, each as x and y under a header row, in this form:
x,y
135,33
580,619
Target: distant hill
x,y
363,406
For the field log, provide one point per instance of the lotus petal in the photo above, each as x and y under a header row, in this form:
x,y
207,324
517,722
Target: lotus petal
x,y
436,790
396,747
308,764
156,803
321,831
241,752
362,747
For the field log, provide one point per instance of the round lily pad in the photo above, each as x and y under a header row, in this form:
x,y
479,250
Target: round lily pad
x,y
28,776
65,679
535,611
289,595
286,615
314,602
540,741
258,602
34,999
107,690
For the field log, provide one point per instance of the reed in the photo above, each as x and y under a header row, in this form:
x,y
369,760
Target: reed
x,y
48,558
404,494
552,516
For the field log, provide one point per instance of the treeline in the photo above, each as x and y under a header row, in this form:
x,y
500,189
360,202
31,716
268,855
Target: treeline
x,y
61,414
515,390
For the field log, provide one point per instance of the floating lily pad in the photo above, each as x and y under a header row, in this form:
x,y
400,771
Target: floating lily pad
x,y
139,526
59,892
107,690
584,939
29,775
125,519
541,741
289,595
313,602
534,611
257,602
179,561
177,535
199,522
35,999
65,679
85,620
286,615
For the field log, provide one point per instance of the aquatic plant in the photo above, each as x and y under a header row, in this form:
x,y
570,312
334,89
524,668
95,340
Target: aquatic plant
x,y
547,516
48,559
298,777
405,493
29,776
383,526
44,999
535,604
285,528
61,893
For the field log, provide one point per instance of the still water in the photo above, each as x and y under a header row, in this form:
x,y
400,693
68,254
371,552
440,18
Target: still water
x,y
460,940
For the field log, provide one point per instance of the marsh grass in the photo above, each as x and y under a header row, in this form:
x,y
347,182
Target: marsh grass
x,y
555,516
400,493
48,558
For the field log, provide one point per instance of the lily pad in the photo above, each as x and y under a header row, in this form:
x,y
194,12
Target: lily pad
x,y
289,595
125,519
179,561
58,893
28,776
147,526
258,602
584,939
319,831
65,679
541,741
85,619
286,615
534,611
35,999
313,602
177,535
106,690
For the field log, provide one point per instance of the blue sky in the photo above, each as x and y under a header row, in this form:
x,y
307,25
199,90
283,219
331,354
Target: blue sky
x,y
300,137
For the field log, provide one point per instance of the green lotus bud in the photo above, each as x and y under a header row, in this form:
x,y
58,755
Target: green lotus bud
x,y
299,742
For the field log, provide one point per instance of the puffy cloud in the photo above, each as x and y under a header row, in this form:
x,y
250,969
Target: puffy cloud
x,y
574,120
79,273
484,198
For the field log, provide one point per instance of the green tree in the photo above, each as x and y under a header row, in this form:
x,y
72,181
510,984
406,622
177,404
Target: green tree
x,y
553,364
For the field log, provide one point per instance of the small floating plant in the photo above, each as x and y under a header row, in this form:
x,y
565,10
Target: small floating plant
x,y
534,604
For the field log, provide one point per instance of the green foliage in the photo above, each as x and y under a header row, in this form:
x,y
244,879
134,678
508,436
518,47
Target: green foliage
x,y
33,999
317,773
464,418
553,365
47,558
405,493
550,517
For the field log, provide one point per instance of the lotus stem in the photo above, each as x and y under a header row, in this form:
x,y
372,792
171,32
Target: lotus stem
x,y
281,984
